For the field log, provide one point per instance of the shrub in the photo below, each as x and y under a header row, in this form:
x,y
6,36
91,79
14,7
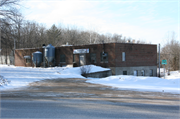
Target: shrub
x,y
85,69
3,81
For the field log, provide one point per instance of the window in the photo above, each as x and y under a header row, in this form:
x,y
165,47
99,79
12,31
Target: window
x,y
104,57
62,58
124,72
74,58
28,60
123,56
151,72
92,58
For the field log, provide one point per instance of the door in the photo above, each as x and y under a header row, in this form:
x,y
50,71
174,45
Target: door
x,y
124,72
142,73
82,59
151,72
135,73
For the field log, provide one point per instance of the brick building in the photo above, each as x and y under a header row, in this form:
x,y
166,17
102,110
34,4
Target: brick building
x,y
121,58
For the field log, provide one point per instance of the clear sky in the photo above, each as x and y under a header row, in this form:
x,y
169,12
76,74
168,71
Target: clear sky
x,y
148,20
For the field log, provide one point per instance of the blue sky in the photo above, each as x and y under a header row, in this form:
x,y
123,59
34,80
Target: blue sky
x,y
148,20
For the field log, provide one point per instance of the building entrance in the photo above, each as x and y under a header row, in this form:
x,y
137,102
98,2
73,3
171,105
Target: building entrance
x,y
135,73
82,59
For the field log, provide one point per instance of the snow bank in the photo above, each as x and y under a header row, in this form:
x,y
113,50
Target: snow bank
x,y
141,83
97,69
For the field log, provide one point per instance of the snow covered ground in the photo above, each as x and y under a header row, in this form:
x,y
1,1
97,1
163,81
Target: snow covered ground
x,y
140,83
22,76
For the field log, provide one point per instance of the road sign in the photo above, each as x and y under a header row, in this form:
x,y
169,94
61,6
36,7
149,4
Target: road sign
x,y
164,61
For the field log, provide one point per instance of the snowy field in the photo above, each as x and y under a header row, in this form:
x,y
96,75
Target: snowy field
x,y
22,76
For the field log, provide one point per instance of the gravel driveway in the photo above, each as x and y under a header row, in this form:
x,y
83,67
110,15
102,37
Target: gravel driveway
x,y
80,89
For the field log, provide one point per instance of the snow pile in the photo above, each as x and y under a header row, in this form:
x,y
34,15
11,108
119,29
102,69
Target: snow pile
x,y
97,69
173,75
141,83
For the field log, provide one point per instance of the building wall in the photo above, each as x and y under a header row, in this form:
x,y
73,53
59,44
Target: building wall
x,y
67,51
19,56
101,74
136,55
96,48
130,70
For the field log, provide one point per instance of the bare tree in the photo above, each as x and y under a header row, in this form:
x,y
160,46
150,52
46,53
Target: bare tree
x,y
8,15
8,9
108,38
116,38
84,37
72,36
170,52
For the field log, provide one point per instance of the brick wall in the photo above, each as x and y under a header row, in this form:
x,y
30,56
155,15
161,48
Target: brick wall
x,y
19,56
96,48
136,55
67,51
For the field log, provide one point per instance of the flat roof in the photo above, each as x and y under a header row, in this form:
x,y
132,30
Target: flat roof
x,y
87,45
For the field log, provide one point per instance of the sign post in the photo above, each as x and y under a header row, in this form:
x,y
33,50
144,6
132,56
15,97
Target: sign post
x,y
164,62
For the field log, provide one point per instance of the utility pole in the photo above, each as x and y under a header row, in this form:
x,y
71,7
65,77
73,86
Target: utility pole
x,y
159,60
14,50
44,46
90,38
164,71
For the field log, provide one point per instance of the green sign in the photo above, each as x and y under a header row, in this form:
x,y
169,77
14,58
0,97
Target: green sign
x,y
164,61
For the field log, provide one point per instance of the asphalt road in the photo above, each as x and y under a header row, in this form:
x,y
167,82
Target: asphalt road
x,y
84,109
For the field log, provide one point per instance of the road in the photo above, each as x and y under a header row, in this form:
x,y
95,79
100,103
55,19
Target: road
x,y
77,99
85,109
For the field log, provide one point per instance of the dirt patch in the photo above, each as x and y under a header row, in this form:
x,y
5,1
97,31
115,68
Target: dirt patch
x,y
80,89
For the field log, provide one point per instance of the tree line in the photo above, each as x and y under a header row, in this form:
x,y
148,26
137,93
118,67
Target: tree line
x,y
171,52
29,34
